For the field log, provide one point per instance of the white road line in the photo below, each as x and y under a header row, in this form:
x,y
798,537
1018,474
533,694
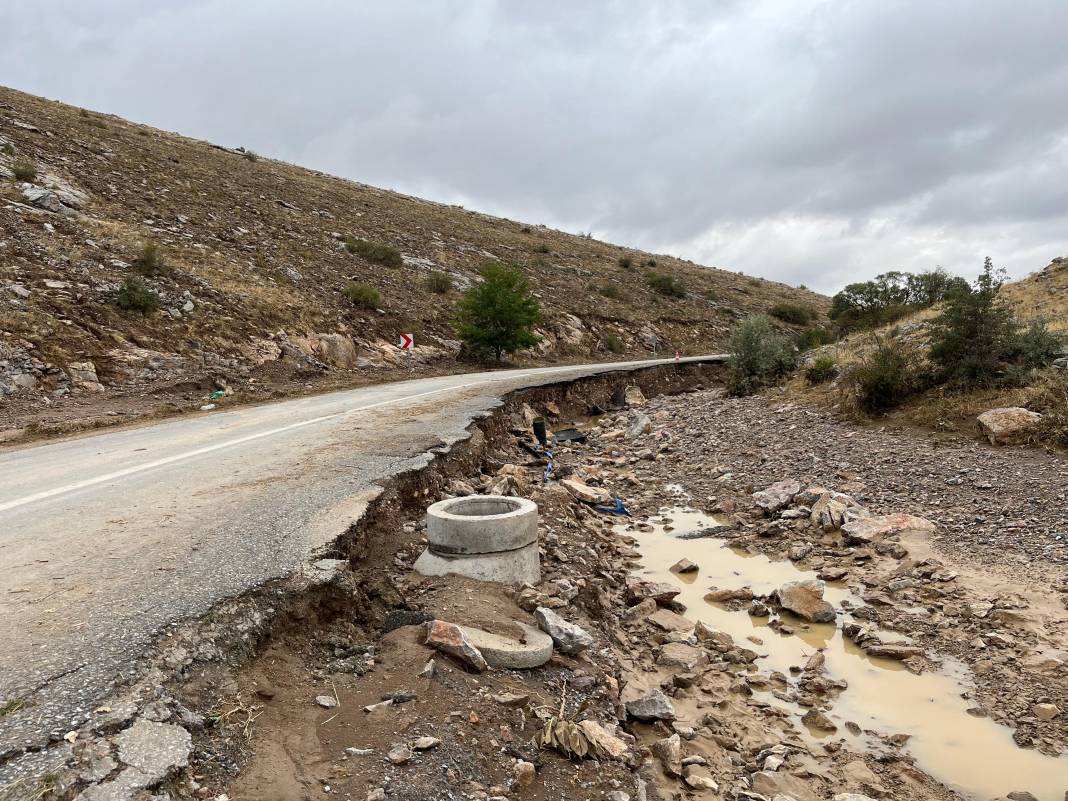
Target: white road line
x,y
129,471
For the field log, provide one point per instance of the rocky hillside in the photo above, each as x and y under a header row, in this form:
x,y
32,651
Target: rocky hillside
x,y
253,268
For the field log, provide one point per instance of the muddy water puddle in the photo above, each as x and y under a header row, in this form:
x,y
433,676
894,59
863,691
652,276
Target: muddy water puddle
x,y
974,756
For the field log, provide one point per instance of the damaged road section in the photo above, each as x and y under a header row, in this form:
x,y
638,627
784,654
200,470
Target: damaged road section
x,y
156,532
774,655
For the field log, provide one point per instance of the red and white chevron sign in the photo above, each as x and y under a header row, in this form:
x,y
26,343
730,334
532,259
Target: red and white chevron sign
x,y
406,341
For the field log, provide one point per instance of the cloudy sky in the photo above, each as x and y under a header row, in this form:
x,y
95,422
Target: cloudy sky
x,y
809,141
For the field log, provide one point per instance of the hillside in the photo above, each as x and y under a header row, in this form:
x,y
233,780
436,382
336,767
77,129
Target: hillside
x,y
254,265
1041,295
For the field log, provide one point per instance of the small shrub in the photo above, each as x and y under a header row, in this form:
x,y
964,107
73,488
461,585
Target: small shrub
x,y
525,229
1050,399
362,296
439,283
541,247
134,295
7,149
150,261
821,370
498,315
25,170
758,356
887,376
613,343
626,262
609,290
650,263
796,313
249,155
1036,346
813,338
376,252
667,285
711,295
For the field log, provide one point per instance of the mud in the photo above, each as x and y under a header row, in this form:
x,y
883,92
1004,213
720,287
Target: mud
x,y
975,756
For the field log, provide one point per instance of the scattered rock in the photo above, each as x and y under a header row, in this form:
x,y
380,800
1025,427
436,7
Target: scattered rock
x,y
651,705
399,754
326,701
868,529
607,744
641,425
669,752
778,495
684,566
524,773
426,743
805,599
568,638
678,654
584,492
639,589
1046,711
450,639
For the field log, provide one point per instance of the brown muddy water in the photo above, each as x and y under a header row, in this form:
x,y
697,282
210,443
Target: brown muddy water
x,y
975,756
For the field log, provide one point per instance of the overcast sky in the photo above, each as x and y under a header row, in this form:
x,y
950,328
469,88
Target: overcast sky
x,y
810,142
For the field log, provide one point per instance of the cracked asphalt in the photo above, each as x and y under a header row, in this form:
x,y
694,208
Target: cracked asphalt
x,y
107,540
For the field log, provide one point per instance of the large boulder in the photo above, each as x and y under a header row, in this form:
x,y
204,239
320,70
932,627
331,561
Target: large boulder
x,y
83,376
805,599
337,350
1009,425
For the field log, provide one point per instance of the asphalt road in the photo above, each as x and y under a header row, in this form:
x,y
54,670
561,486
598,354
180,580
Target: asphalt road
x,y
107,540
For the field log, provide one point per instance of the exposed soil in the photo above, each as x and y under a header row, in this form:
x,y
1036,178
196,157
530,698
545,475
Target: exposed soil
x,y
974,607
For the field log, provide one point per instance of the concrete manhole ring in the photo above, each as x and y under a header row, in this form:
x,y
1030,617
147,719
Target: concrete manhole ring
x,y
484,537
478,524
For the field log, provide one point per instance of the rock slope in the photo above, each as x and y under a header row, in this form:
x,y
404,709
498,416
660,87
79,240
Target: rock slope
x,y
253,263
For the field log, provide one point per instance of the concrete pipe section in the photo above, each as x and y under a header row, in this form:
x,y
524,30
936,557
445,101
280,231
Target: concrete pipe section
x,y
484,537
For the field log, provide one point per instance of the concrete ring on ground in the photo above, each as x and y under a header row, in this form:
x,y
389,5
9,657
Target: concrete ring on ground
x,y
529,648
484,537
481,524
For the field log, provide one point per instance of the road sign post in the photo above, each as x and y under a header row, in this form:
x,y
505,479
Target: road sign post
x,y
407,342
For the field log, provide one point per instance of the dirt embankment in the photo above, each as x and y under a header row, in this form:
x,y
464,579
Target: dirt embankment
x,y
933,664
251,272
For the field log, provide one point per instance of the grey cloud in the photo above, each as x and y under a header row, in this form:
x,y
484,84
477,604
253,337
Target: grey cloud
x,y
806,141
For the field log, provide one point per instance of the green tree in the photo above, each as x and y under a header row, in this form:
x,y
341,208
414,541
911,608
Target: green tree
x,y
977,340
498,314
890,296
976,333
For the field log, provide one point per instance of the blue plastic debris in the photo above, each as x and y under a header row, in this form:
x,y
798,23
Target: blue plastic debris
x,y
616,507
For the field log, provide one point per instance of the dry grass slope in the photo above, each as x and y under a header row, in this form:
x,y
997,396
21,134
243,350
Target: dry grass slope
x,y
255,266
1043,294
